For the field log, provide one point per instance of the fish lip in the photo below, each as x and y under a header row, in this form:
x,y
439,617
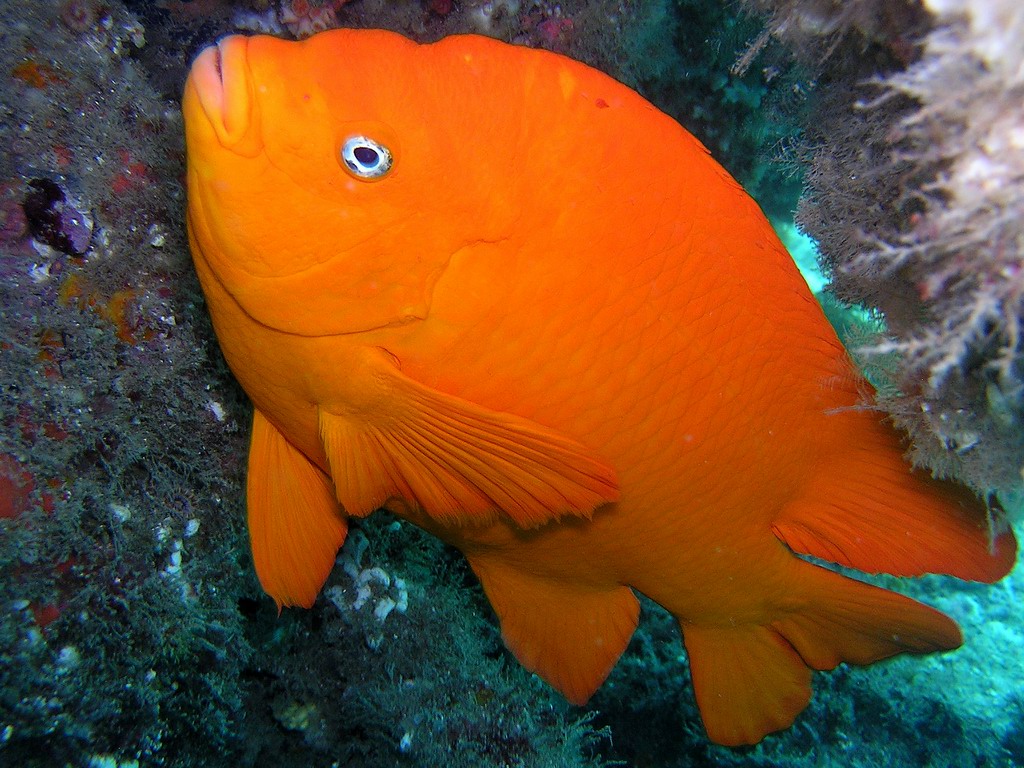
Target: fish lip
x,y
220,76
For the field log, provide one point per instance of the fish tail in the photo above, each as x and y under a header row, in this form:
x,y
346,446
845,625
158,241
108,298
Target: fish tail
x,y
751,680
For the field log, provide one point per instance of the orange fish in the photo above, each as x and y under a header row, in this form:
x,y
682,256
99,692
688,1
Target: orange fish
x,y
498,293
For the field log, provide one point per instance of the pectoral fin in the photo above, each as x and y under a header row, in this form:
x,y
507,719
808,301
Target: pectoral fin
x,y
295,524
458,462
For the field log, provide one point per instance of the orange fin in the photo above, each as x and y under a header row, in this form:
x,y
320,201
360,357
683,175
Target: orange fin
x,y
748,681
868,510
295,524
459,462
838,619
569,634
752,680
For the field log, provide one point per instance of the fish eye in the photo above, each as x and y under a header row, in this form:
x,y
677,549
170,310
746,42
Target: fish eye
x,y
365,158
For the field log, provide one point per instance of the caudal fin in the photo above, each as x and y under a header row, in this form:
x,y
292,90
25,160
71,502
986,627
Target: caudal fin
x,y
751,680
865,509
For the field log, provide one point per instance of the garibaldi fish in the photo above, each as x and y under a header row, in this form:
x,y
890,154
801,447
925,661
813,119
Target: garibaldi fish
x,y
500,294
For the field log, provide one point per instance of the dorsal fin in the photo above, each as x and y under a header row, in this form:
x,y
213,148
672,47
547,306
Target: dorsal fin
x,y
867,509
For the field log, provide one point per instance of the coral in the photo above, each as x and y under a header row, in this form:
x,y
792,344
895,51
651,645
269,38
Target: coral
x,y
118,644
367,684
372,588
814,28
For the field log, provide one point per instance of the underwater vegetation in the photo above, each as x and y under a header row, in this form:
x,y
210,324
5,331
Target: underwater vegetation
x,y
133,630
915,195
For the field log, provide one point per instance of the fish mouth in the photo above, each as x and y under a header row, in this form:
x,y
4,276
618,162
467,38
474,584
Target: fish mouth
x,y
220,76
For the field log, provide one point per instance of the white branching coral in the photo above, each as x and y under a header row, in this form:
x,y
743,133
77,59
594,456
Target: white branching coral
x,y
374,594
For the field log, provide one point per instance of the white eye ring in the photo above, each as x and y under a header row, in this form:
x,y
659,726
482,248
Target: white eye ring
x,y
365,158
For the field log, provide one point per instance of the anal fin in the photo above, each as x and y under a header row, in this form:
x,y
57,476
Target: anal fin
x,y
457,461
569,634
295,524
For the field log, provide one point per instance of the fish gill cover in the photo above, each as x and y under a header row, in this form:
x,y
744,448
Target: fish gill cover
x,y
133,632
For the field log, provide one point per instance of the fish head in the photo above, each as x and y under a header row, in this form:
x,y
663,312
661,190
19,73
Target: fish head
x,y
327,185
334,181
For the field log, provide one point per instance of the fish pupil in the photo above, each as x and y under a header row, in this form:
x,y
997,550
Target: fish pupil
x,y
366,156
